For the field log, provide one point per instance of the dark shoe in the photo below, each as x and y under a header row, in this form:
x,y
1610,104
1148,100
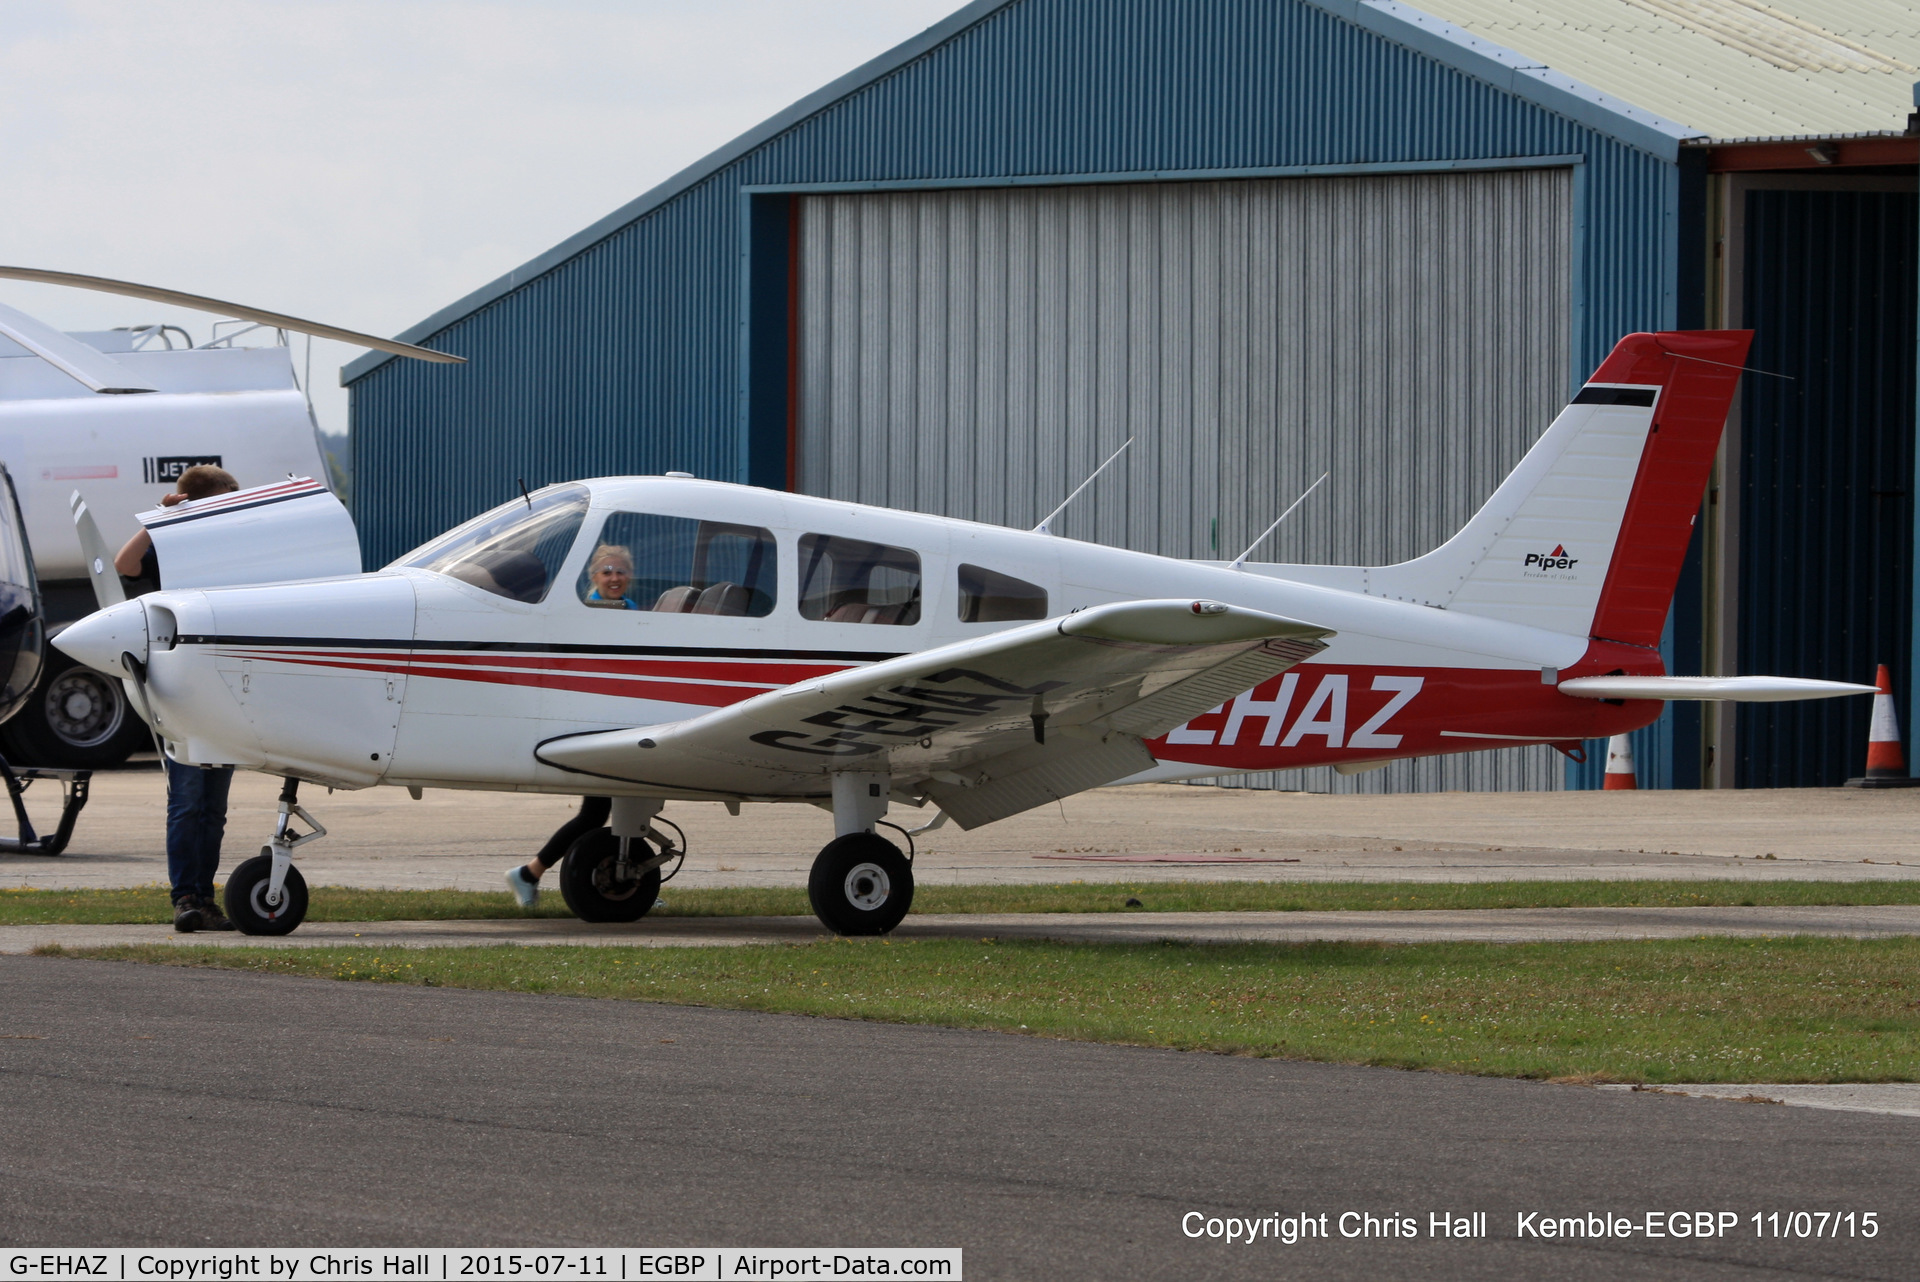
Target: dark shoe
x,y
211,918
186,915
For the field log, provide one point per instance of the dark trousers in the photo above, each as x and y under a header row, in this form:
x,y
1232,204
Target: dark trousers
x,y
196,821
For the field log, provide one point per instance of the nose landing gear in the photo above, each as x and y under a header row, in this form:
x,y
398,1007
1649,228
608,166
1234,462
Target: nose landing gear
x,y
266,895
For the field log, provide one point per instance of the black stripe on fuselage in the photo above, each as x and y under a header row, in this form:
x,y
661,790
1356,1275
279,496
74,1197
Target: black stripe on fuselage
x,y
1641,396
184,517
534,647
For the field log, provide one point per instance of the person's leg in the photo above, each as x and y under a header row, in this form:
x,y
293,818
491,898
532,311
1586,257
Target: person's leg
x,y
593,814
214,786
524,879
183,845
184,786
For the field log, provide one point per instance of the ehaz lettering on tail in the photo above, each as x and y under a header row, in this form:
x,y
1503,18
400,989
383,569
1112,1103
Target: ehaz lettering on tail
x,y
657,638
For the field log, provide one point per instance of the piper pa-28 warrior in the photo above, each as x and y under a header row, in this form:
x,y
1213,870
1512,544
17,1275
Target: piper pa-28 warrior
x,y
659,638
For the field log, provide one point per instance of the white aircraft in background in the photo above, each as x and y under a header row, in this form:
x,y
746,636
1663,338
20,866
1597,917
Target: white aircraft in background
x,y
658,638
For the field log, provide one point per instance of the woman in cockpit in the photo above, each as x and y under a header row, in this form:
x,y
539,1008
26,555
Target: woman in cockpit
x,y
611,568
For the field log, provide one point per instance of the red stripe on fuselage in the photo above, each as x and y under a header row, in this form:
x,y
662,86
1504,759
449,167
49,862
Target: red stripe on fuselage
x,y
662,681
1325,707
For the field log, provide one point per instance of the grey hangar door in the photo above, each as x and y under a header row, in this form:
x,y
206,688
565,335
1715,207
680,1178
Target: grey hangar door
x,y
977,352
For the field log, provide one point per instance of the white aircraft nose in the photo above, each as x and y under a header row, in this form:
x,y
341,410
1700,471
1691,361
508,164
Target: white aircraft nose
x,y
103,636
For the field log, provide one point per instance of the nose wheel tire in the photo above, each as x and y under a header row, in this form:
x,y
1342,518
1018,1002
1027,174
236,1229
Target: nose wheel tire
x,y
246,898
861,885
591,883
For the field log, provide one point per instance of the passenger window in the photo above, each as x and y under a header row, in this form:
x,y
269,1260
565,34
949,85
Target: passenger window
x,y
852,581
987,597
676,565
514,550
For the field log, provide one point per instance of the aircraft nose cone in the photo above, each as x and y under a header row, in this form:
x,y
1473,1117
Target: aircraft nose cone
x,y
103,636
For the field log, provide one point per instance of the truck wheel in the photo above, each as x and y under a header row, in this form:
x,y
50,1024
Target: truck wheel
x,y
76,718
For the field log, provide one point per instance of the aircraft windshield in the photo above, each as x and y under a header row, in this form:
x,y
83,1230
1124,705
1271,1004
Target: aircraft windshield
x,y
513,551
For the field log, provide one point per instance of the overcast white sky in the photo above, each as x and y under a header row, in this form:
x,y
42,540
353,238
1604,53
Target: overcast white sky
x,y
366,162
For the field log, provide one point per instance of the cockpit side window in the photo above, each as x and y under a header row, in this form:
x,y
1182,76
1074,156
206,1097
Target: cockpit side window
x,y
853,581
513,551
990,597
676,565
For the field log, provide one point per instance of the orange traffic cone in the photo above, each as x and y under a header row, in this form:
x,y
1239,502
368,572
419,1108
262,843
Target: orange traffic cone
x,y
1620,764
1886,764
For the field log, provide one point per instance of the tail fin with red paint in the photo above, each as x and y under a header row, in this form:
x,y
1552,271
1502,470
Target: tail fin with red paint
x,y
1587,534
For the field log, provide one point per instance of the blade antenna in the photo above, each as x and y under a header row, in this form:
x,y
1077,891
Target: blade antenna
x,y
1042,527
1240,561
523,492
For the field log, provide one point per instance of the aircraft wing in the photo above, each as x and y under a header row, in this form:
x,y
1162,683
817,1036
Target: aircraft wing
x,y
986,728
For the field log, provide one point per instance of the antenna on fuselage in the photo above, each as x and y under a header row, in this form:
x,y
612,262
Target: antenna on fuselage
x,y
1042,527
523,492
1240,561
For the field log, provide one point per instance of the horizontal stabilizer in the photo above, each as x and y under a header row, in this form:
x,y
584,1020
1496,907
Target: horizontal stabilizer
x,y
1730,689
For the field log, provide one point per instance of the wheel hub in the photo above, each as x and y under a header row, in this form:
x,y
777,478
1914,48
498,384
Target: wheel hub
x,y
81,709
607,880
867,886
258,898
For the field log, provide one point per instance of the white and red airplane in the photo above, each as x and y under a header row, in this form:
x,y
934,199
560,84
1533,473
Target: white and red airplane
x,y
653,638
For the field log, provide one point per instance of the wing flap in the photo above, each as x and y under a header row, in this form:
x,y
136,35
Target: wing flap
x,y
1178,704
1039,773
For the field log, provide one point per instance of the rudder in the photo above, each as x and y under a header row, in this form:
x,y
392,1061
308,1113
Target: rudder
x,y
1586,536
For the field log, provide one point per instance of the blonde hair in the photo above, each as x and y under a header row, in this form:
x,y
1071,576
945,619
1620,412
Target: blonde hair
x,y
609,551
203,480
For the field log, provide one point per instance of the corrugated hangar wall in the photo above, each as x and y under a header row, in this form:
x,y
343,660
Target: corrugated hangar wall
x,y
659,338
978,353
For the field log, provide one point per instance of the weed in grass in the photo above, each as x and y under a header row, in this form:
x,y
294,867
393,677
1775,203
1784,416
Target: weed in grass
x,y
1787,1010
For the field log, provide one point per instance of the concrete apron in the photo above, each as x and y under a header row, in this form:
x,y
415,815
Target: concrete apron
x,y
1145,833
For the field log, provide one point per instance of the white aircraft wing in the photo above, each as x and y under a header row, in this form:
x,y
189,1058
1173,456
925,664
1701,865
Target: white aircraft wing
x,y
986,728
1729,689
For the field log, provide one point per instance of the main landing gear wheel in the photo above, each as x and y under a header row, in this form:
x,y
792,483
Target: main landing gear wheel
x,y
246,898
591,883
861,885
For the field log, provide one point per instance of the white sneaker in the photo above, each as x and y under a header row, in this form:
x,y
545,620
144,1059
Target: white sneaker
x,y
524,888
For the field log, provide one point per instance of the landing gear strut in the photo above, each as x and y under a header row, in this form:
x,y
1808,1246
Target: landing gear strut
x,y
861,884
613,873
266,895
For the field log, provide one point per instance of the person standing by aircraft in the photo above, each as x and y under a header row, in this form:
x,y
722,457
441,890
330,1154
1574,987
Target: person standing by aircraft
x,y
196,795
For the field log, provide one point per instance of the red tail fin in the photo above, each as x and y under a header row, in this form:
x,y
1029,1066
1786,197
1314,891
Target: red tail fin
x,y
1697,371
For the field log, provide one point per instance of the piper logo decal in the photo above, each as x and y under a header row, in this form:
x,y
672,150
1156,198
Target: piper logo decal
x,y
1554,560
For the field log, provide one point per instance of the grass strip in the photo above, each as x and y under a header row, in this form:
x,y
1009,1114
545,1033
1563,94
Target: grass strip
x,y
148,904
1798,1009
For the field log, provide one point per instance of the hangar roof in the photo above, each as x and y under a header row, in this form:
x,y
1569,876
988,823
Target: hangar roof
x,y
1729,68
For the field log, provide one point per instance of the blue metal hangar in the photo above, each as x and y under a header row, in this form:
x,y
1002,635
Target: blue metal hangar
x,y
1265,239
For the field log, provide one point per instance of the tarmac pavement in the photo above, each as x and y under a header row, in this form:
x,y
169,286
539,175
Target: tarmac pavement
x,y
1138,834
151,1105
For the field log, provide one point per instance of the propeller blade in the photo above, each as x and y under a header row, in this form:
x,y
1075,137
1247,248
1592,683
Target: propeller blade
x,y
276,319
